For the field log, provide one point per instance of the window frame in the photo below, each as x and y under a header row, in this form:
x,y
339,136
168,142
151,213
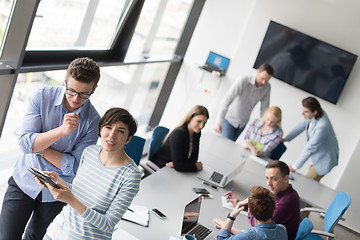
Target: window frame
x,y
38,60
16,59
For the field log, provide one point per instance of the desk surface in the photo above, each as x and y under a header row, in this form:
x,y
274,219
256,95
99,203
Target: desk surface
x,y
169,190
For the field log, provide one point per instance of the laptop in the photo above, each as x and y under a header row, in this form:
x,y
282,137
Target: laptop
x,y
190,223
216,62
222,176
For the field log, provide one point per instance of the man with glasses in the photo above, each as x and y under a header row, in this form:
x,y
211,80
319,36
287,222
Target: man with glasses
x,y
59,123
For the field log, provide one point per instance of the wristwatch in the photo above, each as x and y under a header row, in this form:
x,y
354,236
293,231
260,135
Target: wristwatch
x,y
40,154
230,217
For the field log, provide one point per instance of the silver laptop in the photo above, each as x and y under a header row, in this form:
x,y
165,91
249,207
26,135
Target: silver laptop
x,y
222,175
190,223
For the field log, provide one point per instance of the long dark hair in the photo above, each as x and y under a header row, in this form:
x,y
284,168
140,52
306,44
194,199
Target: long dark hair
x,y
314,105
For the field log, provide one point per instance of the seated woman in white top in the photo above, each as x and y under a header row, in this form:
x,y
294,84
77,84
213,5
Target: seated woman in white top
x,y
263,135
106,183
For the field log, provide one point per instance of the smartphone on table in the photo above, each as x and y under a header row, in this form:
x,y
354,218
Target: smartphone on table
x,y
158,213
203,192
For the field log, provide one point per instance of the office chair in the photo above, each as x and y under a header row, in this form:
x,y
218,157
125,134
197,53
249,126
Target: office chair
x,y
304,229
333,214
134,148
157,138
278,151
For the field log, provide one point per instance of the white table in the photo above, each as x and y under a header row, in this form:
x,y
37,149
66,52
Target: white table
x,y
169,190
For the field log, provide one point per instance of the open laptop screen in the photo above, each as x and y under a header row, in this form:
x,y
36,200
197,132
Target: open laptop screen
x,y
218,61
191,215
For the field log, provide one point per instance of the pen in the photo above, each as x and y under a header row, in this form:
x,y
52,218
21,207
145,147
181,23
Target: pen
x,y
227,198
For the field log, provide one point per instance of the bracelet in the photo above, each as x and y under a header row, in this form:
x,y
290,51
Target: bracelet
x,y
230,217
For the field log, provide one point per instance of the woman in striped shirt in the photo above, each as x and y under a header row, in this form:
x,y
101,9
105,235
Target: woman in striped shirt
x,y
105,184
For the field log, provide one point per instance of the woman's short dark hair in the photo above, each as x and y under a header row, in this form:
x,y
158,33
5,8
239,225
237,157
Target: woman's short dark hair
x,y
314,105
114,115
261,203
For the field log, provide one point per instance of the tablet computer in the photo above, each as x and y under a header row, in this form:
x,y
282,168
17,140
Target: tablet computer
x,y
43,177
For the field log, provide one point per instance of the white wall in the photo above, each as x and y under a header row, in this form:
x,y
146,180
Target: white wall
x,y
236,29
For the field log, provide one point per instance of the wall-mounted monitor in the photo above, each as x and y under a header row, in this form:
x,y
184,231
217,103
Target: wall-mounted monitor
x,y
305,62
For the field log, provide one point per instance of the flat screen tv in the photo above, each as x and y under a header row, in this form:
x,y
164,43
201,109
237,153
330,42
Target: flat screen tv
x,y
305,62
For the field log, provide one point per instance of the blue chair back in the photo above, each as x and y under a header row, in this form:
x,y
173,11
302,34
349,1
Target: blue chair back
x,y
278,151
335,211
304,229
158,135
134,148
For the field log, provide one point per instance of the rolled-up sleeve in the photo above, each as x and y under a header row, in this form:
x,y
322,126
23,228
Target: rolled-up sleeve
x,y
31,125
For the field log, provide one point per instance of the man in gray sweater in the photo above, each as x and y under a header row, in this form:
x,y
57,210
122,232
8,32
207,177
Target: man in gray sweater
x,y
241,99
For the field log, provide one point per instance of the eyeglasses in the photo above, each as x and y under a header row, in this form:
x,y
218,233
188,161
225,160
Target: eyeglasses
x,y
74,93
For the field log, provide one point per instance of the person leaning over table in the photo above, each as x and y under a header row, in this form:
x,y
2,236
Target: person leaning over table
x,y
266,130
322,145
104,186
181,147
241,99
261,205
287,211
59,123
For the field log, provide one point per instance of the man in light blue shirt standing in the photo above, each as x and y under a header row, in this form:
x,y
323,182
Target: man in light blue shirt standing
x,y
59,123
322,145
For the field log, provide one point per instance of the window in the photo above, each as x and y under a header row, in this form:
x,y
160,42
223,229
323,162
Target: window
x,y
5,11
160,26
76,24
102,30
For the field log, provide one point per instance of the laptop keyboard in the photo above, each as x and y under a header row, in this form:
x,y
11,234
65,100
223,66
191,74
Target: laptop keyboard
x,y
200,232
216,177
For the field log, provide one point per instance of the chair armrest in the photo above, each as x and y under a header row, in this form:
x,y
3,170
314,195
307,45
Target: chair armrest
x,y
311,209
142,171
149,165
147,168
327,234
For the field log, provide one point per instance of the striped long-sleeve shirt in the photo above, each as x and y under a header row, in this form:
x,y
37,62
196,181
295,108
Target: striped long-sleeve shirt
x,y
107,193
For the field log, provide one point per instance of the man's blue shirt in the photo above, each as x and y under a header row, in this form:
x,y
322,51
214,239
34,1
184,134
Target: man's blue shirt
x,y
270,231
45,112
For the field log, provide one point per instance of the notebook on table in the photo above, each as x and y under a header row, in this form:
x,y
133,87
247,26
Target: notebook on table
x,y
216,62
190,223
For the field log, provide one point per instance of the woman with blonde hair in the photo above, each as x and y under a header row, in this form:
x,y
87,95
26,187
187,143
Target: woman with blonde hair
x,y
263,135
181,147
